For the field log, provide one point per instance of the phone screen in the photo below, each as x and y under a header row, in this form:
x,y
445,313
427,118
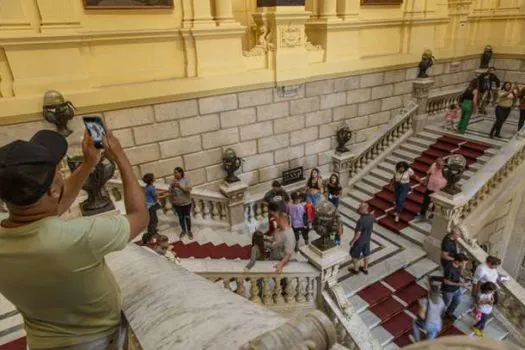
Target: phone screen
x,y
96,129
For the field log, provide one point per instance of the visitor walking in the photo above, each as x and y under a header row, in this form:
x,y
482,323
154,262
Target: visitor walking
x,y
315,187
258,251
435,181
485,302
360,244
333,190
521,96
401,180
152,203
486,83
452,284
279,196
449,247
429,316
486,272
283,241
504,103
51,269
180,190
297,215
468,101
451,118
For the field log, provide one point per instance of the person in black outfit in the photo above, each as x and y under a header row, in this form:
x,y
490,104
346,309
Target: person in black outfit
x,y
333,189
452,284
449,247
504,103
488,81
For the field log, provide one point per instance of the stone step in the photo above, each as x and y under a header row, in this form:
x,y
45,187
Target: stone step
x,y
393,160
382,336
493,328
414,149
420,142
406,155
429,135
359,195
438,130
414,235
375,181
382,174
371,190
423,227
422,268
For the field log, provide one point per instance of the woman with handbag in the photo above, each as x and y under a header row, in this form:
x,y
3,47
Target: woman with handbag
x,y
401,180
434,181
429,316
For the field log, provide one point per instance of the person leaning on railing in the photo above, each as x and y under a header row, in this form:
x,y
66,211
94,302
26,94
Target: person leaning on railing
x,y
53,270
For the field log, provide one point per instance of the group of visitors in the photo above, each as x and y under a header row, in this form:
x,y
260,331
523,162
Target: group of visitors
x,y
401,180
292,216
480,93
443,300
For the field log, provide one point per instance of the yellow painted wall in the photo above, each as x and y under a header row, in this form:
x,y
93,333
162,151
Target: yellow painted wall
x,y
107,59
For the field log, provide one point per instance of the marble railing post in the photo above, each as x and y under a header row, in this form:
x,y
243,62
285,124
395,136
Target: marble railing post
x,y
341,166
314,331
420,92
224,12
447,213
235,193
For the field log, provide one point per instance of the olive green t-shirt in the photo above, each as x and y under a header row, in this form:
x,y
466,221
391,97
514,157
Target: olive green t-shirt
x,y
54,272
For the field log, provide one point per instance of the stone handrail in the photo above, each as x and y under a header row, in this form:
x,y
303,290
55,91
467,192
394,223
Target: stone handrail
x,y
169,307
511,307
378,142
487,179
351,330
441,100
297,285
209,207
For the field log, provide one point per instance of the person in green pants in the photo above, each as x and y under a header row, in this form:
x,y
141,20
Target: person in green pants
x,y
467,106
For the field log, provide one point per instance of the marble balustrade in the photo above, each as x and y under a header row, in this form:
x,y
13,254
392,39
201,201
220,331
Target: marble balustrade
x,y
169,307
438,102
296,286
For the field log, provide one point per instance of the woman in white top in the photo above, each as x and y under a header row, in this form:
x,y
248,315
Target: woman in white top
x,y
484,304
401,180
487,272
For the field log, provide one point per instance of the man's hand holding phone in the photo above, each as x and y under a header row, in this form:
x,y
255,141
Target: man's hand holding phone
x,y
92,154
112,148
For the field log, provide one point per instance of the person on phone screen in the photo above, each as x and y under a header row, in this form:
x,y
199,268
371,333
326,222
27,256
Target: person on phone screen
x,y
53,270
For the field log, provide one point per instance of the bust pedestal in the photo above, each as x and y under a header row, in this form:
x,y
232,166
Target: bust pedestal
x,y
341,166
235,193
327,261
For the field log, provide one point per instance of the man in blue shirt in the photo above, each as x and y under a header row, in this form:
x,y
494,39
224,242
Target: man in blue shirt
x,y
360,244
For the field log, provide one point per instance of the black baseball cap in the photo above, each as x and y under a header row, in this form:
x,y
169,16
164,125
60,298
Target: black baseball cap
x,y
27,168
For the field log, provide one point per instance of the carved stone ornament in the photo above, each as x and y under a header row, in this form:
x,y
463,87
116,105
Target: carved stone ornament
x,y
58,111
231,163
427,61
342,136
325,224
291,37
264,42
452,171
98,200
485,57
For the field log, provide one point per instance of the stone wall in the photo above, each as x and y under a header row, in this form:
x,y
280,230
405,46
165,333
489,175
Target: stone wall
x,y
493,233
270,132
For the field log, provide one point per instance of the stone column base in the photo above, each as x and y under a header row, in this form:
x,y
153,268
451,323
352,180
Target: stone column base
x,y
235,194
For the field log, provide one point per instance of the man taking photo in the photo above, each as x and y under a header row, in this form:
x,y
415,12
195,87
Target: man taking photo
x,y
52,270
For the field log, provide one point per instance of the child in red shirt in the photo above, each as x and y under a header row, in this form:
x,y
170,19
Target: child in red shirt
x,y
310,213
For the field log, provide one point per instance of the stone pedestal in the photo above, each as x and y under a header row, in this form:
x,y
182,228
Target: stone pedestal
x,y
447,212
341,166
327,261
235,194
420,92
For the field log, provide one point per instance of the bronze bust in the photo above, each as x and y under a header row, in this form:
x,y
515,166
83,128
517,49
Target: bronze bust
x,y
58,111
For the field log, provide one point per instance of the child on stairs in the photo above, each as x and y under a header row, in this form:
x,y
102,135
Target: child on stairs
x,y
485,301
452,117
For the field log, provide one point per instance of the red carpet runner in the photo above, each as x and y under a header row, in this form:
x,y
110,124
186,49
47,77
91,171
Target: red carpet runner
x,y
382,202
392,310
19,344
209,250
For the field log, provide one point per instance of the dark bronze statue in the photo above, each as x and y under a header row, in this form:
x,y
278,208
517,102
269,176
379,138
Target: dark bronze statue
x,y
325,224
343,135
58,111
98,200
231,163
427,61
485,57
452,171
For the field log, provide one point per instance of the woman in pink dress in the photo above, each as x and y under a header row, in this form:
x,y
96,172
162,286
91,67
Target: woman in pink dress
x,y
435,182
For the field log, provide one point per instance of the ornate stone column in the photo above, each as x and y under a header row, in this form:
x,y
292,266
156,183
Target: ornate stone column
x,y
447,212
224,12
329,9
202,13
235,194
420,92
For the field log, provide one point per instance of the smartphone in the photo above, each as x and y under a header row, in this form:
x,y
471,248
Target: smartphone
x,y
96,129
